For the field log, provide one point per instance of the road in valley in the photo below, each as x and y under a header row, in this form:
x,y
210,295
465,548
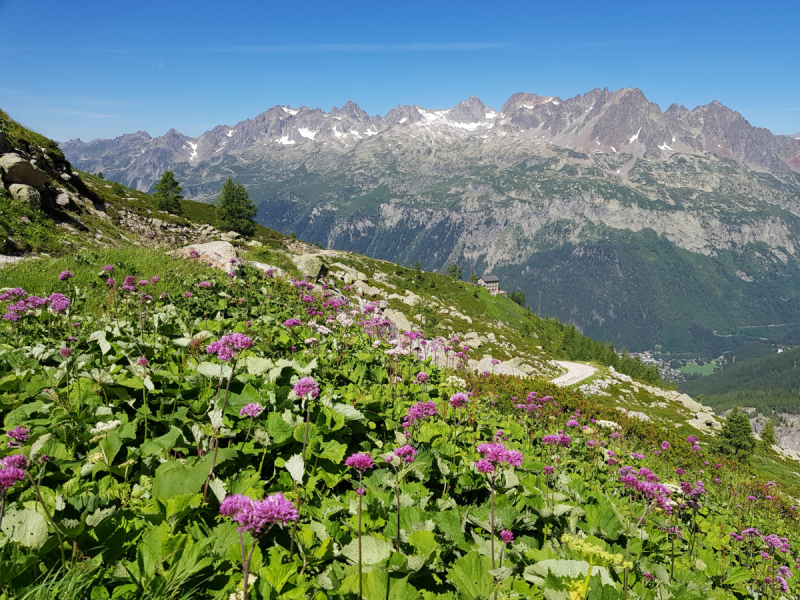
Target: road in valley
x,y
575,372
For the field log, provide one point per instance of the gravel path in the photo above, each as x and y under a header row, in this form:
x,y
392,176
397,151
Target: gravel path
x,y
575,372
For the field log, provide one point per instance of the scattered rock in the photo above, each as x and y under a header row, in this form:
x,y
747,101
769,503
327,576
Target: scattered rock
x,y
216,253
276,271
65,177
63,199
8,260
310,265
19,170
254,244
366,289
26,193
400,321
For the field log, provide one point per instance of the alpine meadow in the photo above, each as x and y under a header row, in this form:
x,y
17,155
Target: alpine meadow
x,y
457,341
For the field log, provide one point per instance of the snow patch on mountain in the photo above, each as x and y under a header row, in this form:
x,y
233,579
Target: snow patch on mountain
x,y
307,133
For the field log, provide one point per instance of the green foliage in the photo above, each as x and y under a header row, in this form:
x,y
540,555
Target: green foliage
x,y
167,196
518,298
736,437
768,435
119,189
235,210
769,382
131,445
454,271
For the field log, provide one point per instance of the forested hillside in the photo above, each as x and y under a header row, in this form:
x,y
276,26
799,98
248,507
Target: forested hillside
x,y
768,382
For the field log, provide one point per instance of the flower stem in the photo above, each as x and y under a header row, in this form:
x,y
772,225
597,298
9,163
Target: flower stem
x,y
360,567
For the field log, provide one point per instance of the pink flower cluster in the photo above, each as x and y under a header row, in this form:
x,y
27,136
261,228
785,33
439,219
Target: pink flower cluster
x,y
306,386
12,471
254,516
229,346
649,487
360,461
406,453
458,400
495,455
418,412
558,439
251,410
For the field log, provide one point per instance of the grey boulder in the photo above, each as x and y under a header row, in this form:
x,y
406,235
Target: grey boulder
x,y
26,193
19,170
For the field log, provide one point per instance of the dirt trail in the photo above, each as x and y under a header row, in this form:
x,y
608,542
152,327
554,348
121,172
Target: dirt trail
x,y
575,372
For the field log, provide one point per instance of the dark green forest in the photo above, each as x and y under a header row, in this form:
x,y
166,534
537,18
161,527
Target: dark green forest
x,y
770,382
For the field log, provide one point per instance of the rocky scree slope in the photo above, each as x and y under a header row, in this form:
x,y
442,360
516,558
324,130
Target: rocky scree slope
x,y
566,197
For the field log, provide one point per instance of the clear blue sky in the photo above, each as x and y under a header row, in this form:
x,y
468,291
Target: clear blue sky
x,y
100,69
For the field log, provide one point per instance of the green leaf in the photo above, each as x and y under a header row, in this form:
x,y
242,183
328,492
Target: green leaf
x,y
449,523
173,479
111,445
380,584
168,440
737,575
296,468
424,542
373,550
279,430
25,526
333,451
470,576
212,370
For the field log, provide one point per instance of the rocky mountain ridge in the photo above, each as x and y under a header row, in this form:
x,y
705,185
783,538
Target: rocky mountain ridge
x,y
602,122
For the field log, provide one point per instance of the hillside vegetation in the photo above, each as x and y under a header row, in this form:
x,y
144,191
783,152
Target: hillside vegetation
x,y
176,431
770,382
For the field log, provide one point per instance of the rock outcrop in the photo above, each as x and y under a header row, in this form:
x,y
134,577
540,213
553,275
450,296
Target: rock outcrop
x,y
15,169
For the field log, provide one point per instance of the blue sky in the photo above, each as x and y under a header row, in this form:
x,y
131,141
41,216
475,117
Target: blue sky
x,y
100,69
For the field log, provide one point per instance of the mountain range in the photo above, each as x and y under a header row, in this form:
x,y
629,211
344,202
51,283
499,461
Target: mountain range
x,y
638,225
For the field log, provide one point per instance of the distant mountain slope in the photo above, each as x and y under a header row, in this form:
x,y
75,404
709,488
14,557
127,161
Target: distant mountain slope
x,y
603,203
768,382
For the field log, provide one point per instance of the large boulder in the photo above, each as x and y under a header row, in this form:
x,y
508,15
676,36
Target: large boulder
x,y
26,193
219,254
18,170
310,265
400,321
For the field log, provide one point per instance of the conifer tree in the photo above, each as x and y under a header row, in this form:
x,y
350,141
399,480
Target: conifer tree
x,y
235,210
168,194
768,435
736,437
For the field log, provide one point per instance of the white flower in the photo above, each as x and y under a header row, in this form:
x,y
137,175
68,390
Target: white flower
x,y
105,426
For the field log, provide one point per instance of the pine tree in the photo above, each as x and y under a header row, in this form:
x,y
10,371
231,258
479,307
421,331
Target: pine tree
x,y
168,194
454,271
736,437
235,210
768,435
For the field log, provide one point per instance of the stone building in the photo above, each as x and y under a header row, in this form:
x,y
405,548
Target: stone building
x,y
491,283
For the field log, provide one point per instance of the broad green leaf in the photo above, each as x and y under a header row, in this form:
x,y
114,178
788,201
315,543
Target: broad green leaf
x,y
737,575
424,542
373,550
470,576
173,479
279,430
168,440
212,370
25,526
380,584
332,450
296,468
449,523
